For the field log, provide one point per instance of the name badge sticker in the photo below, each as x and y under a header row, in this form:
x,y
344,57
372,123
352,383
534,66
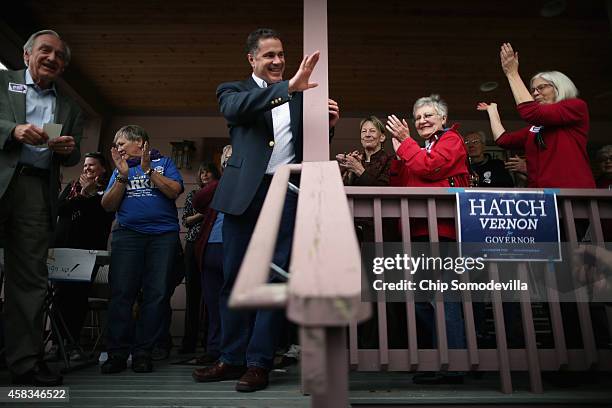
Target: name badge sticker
x,y
536,129
19,88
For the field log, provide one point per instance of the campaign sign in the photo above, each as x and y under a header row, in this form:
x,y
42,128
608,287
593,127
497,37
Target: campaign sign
x,y
66,264
509,226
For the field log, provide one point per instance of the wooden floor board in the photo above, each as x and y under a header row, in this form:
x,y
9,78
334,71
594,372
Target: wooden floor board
x,y
172,386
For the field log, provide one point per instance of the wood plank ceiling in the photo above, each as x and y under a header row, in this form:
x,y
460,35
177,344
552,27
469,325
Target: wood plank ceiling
x,y
167,57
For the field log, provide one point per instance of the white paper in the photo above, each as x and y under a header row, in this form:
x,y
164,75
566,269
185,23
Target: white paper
x,y
53,130
71,264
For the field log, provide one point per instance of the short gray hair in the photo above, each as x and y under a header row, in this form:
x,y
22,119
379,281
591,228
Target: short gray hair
x,y
434,101
27,47
132,133
564,87
480,133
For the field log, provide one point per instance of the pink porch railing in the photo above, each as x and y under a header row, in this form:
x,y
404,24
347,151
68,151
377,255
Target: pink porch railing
x,y
323,293
404,204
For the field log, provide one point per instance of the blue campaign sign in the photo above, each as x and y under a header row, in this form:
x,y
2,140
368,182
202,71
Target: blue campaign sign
x,y
509,226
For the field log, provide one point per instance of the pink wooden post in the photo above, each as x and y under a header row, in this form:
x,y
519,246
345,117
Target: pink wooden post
x,y
316,115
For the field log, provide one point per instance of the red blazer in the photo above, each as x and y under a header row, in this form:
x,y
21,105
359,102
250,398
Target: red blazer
x,y
444,164
564,162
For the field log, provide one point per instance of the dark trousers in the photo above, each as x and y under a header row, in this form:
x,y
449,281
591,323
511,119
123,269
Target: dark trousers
x,y
24,227
193,294
175,277
251,337
212,282
139,261
72,299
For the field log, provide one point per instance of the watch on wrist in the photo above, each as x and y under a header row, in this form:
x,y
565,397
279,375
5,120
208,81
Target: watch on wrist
x,y
121,179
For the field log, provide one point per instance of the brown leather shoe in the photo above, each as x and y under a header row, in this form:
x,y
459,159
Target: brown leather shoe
x,y
254,379
218,372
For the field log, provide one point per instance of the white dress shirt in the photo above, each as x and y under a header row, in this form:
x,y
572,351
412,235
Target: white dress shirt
x,y
283,151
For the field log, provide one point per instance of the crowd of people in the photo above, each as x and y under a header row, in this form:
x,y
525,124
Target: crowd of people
x,y
264,116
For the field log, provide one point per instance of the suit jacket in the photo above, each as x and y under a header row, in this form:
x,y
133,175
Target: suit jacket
x,y
12,113
248,111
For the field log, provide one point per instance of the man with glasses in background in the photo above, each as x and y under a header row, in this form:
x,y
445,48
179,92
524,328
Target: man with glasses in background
x,y
491,172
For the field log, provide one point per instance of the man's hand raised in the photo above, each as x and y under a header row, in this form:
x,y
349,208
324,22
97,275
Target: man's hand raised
x,y
300,81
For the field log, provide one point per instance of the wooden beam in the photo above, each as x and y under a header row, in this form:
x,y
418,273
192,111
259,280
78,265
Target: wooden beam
x,y
316,119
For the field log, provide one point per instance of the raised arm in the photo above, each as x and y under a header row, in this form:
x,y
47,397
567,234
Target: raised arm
x,y
510,63
239,105
496,126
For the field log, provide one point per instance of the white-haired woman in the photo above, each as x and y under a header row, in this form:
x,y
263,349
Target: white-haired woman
x,y
555,140
441,163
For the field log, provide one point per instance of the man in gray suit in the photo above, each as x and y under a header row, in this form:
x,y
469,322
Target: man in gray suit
x,y
29,185
264,116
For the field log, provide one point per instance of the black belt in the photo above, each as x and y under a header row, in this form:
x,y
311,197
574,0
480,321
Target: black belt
x,y
27,170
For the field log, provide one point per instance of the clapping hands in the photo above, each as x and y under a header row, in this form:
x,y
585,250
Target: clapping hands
x,y
351,162
398,128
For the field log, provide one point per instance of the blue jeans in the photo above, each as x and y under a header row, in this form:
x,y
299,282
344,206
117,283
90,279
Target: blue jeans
x,y
248,337
453,316
138,261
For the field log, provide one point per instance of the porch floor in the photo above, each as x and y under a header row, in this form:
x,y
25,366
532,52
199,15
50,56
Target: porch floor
x,y
171,385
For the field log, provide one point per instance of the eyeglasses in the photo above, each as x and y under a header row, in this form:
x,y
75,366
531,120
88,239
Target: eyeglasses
x,y
474,142
604,159
425,116
540,88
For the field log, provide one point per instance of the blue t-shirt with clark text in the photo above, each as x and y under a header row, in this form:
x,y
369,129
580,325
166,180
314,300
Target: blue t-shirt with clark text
x,y
144,207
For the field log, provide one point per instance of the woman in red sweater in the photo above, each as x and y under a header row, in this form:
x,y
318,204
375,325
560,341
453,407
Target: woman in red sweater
x,y
555,140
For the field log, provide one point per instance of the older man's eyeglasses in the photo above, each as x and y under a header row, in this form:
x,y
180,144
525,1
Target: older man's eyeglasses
x,y
540,88
604,159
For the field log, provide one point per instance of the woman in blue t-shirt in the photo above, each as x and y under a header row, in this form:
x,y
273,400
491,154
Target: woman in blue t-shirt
x,y
142,190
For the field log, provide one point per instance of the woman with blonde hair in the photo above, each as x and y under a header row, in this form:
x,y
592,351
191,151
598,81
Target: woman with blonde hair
x,y
369,167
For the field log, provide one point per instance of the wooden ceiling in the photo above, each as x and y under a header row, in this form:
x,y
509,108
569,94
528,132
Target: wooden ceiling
x,y
167,57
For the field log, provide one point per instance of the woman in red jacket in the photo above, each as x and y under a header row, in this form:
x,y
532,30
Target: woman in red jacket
x,y
555,140
441,163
